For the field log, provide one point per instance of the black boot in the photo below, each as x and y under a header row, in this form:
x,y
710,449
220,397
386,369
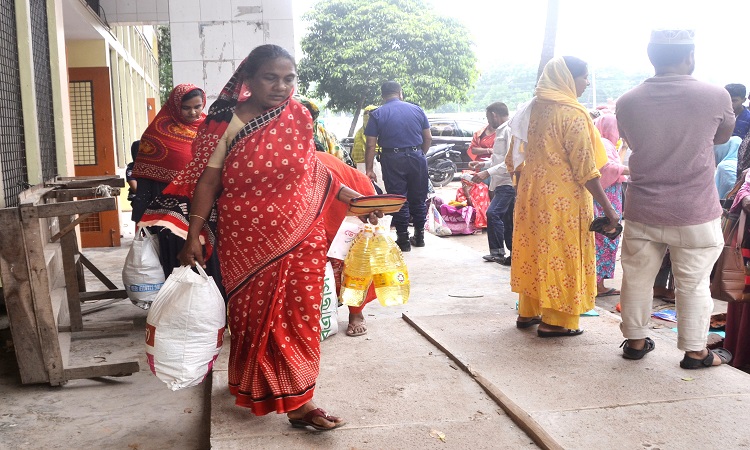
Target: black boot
x,y
403,241
418,239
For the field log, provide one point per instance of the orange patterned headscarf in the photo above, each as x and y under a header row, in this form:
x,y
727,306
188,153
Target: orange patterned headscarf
x,y
165,147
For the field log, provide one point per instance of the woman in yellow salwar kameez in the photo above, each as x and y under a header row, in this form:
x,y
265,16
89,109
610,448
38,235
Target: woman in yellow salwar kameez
x,y
554,255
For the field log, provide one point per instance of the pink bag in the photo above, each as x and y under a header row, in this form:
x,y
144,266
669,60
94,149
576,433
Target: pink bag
x,y
459,220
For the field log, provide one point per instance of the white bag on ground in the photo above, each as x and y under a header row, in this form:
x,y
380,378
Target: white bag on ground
x,y
435,223
329,317
142,273
185,328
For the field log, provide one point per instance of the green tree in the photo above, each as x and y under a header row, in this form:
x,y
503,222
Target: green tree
x,y
353,46
164,48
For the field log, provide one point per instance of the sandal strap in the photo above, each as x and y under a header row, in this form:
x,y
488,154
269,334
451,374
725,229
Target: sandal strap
x,y
648,345
319,412
693,363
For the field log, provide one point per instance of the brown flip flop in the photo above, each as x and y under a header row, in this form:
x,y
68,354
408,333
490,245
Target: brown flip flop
x,y
307,421
359,329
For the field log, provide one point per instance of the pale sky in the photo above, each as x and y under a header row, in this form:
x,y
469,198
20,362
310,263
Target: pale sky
x,y
603,33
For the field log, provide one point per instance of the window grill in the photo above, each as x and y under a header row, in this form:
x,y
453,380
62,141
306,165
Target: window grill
x,y
14,177
82,123
84,138
43,85
92,224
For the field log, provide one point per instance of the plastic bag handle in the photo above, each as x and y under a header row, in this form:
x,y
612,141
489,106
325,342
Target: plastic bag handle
x,y
201,272
138,233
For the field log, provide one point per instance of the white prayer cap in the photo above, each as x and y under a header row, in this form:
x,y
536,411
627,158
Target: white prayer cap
x,y
672,36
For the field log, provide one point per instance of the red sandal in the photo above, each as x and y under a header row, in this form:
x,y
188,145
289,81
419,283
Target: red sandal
x,y
307,421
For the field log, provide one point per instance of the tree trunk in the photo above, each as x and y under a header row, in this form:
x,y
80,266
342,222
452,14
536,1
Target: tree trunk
x,y
550,33
353,126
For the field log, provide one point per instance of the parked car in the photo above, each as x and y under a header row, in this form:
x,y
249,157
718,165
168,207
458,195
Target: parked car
x,y
457,131
446,129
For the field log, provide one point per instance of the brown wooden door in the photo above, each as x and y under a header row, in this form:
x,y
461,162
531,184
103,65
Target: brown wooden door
x,y
94,145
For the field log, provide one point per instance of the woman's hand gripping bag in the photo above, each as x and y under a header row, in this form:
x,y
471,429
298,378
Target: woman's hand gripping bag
x,y
185,328
142,273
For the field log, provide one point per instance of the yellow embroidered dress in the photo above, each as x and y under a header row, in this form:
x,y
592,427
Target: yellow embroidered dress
x,y
554,254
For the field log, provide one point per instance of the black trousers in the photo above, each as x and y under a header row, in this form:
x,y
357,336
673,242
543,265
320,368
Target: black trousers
x,y
405,173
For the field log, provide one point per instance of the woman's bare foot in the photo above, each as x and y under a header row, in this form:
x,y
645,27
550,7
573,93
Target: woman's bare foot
x,y
604,291
357,325
323,422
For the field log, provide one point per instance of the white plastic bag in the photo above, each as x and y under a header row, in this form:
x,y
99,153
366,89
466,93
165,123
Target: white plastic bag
x,y
185,328
341,243
349,229
435,223
329,317
142,273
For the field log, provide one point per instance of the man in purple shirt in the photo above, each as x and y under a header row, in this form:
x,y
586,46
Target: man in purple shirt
x,y
402,131
741,114
671,122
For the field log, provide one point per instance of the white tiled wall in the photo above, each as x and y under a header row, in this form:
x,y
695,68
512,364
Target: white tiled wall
x,y
211,37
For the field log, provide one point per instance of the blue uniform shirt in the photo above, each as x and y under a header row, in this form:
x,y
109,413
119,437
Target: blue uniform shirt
x,y
742,124
397,124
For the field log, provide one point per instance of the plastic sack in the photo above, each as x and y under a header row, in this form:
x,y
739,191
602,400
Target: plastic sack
x,y
142,273
435,223
329,317
185,328
459,220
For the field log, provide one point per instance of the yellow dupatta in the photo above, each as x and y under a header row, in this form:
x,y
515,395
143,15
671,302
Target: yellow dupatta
x,y
556,85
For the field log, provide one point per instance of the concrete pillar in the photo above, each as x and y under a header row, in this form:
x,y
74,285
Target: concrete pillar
x,y
28,92
60,93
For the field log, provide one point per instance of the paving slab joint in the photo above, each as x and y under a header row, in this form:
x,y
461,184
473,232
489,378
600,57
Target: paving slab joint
x,y
517,414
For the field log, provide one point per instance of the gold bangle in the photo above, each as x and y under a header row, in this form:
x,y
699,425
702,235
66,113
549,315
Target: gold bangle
x,y
196,215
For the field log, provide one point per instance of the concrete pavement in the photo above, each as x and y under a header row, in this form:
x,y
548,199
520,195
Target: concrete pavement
x,y
397,389
394,387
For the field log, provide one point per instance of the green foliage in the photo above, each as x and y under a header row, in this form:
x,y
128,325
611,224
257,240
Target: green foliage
x,y
513,84
164,47
353,46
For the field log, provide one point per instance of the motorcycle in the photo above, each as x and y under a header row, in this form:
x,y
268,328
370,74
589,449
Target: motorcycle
x,y
441,163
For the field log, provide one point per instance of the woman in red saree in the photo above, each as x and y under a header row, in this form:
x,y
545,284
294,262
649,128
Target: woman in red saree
x,y
164,150
256,192
477,196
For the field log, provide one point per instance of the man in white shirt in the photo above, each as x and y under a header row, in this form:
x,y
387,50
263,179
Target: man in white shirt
x,y
498,229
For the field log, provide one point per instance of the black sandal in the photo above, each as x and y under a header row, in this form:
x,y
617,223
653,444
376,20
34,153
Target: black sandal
x,y
564,333
631,353
528,323
691,363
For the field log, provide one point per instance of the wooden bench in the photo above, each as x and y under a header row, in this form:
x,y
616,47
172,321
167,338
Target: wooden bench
x,y
41,269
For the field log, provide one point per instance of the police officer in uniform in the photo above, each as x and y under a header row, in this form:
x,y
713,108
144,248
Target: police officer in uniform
x,y
402,131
